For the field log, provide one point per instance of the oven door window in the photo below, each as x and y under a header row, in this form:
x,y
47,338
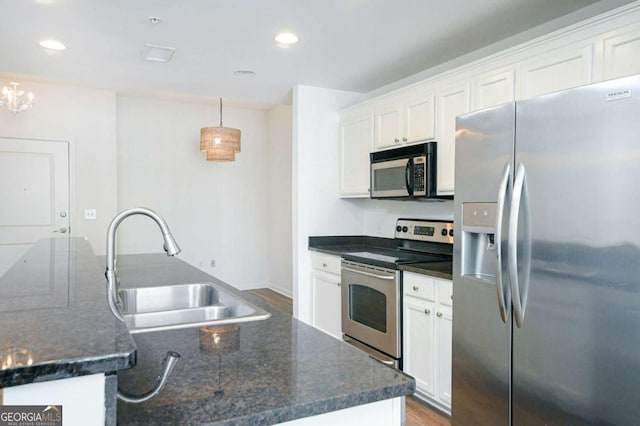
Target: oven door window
x,y
368,307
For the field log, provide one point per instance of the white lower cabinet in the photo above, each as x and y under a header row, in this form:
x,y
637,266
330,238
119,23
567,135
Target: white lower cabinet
x,y
427,337
325,294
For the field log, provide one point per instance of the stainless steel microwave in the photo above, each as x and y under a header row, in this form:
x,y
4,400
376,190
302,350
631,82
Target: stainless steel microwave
x,y
405,173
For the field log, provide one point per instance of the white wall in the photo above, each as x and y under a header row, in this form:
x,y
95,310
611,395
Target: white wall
x,y
215,210
317,210
379,217
279,190
87,118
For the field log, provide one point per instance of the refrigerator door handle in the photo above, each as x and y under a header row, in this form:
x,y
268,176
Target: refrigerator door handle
x,y
518,289
503,301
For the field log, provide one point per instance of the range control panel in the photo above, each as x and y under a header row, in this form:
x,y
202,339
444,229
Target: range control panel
x,y
425,230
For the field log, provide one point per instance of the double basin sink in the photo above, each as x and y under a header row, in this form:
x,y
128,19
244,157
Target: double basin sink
x,y
184,306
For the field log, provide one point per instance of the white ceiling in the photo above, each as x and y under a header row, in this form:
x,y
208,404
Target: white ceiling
x,y
356,45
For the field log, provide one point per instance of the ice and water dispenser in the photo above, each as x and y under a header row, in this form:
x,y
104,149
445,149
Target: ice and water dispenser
x,y
478,257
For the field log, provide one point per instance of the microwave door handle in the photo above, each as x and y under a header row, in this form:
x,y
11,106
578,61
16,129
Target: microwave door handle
x,y
408,176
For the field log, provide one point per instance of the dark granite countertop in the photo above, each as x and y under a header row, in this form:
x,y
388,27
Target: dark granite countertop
x,y
55,319
264,372
339,245
434,269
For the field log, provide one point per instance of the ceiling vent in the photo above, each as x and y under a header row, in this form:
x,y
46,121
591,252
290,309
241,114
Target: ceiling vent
x,y
155,53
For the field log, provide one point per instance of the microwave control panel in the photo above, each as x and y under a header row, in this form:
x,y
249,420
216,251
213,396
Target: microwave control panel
x,y
419,165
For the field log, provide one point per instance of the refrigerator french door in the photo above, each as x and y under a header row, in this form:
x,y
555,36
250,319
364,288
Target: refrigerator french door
x,y
547,267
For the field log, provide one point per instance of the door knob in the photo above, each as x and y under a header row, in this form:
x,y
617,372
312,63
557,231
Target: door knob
x,y
63,214
427,311
439,314
62,230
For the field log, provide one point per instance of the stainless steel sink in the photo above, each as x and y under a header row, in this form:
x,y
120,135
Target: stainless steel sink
x,y
183,306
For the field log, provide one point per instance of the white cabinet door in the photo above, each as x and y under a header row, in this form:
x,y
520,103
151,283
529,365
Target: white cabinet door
x,y
356,142
444,323
388,121
419,355
493,89
419,118
622,55
325,306
450,103
557,70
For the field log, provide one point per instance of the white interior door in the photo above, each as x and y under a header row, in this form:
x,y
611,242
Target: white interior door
x,y
34,195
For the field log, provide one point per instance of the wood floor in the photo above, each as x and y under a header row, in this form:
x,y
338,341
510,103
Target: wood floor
x,y
417,412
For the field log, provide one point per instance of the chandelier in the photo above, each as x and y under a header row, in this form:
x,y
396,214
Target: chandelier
x,y
220,143
14,99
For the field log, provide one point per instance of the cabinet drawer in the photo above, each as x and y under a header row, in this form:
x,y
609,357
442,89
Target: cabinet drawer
x,y
326,262
445,292
417,285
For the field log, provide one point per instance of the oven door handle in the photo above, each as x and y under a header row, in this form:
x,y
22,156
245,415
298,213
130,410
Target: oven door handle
x,y
368,274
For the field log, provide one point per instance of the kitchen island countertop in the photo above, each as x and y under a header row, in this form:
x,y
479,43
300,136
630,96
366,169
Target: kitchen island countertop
x,y
55,320
263,373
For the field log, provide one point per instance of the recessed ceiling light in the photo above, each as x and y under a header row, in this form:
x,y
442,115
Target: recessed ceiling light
x,y
154,20
286,38
52,44
155,53
244,73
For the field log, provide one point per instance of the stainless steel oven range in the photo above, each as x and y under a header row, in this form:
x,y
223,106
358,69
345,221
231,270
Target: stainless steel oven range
x,y
372,286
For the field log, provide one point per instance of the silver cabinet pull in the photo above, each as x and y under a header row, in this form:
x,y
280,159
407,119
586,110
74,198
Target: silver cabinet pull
x,y
439,314
63,214
427,311
416,288
404,139
397,140
324,265
62,230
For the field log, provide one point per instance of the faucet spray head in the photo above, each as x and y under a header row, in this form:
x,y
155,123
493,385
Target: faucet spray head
x,y
170,245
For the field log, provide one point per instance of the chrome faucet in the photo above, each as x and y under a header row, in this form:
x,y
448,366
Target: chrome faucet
x,y
170,246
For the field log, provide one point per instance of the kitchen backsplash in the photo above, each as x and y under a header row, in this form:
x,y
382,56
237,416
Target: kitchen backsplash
x,y
380,216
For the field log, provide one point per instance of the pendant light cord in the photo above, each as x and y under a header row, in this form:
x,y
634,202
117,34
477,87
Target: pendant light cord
x,y
220,112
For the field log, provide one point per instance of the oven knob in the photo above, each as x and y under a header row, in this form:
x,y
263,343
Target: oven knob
x,y
444,232
398,228
451,232
405,229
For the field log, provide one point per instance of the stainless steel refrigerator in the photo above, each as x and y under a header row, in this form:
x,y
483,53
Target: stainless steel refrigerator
x,y
546,272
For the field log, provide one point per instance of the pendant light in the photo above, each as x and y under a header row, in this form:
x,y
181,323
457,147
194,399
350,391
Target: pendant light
x,y
220,143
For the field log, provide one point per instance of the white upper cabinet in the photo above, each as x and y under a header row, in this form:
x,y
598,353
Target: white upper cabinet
x,y
356,142
388,125
407,117
493,88
557,70
450,102
600,49
622,55
419,117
